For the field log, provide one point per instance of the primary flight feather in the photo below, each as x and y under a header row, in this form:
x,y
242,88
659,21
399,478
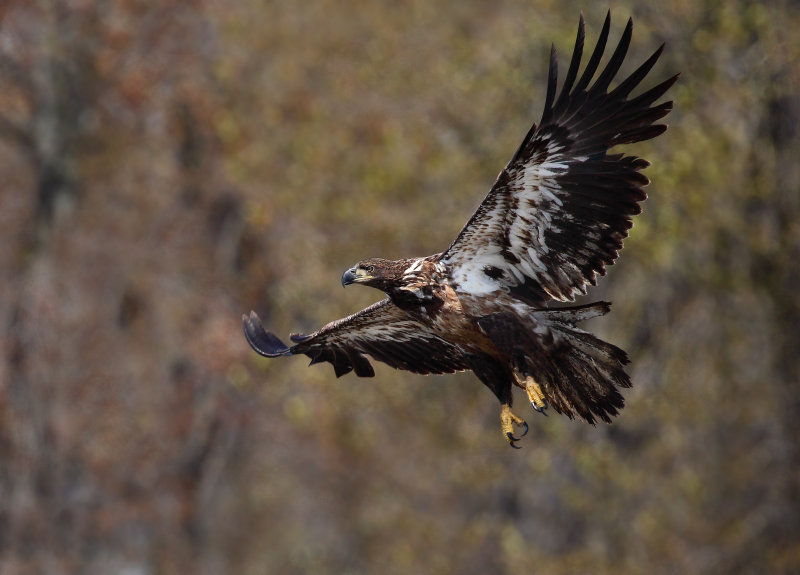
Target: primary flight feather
x,y
554,219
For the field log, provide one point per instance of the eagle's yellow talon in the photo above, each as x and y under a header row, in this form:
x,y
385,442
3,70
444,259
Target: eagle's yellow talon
x,y
535,395
541,409
481,304
533,389
507,422
512,441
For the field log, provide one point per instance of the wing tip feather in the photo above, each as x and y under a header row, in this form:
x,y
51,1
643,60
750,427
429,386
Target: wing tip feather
x,y
262,341
597,119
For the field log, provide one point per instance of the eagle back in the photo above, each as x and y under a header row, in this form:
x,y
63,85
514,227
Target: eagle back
x,y
420,285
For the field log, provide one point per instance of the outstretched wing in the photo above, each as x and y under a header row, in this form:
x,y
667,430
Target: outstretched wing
x,y
558,212
382,330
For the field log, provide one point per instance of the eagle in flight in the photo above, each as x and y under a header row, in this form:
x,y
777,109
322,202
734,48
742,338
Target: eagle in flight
x,y
554,219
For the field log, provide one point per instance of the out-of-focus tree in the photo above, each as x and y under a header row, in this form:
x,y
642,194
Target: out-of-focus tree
x,y
117,435
167,166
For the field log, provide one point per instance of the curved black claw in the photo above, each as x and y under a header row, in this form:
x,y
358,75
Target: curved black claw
x,y
542,409
525,431
512,440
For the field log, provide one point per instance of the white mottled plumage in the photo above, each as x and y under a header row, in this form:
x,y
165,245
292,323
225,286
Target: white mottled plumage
x,y
414,267
558,212
554,219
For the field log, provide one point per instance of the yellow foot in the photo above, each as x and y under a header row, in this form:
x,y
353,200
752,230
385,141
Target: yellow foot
x,y
507,422
534,391
535,395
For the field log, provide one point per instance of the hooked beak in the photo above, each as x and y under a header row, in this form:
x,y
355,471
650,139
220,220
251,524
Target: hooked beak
x,y
349,277
355,275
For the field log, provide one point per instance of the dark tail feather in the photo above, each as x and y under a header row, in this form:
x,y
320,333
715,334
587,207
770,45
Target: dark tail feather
x,y
582,374
574,314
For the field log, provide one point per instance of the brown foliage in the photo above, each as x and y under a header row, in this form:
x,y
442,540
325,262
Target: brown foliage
x,y
166,168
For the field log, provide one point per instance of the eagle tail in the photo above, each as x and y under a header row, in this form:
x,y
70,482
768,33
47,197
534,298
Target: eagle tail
x,y
577,313
582,374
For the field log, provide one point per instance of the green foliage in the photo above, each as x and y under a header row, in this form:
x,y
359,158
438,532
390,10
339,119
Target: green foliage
x,y
204,159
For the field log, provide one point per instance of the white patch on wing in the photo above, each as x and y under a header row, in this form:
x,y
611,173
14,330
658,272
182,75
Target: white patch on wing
x,y
417,292
538,198
550,215
399,331
415,267
538,206
472,278
537,201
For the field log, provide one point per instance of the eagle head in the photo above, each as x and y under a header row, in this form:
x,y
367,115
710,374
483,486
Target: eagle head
x,y
374,272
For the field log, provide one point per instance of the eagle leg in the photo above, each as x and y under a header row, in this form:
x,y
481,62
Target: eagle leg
x,y
507,422
535,395
533,389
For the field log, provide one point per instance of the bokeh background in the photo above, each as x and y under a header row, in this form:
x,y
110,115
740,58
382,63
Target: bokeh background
x,y
167,166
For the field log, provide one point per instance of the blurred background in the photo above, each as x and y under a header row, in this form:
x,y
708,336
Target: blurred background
x,y
165,167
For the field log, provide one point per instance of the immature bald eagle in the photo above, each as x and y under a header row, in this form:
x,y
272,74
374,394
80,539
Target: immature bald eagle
x,y
555,217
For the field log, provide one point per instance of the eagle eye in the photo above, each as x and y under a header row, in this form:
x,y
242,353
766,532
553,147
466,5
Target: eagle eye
x,y
370,269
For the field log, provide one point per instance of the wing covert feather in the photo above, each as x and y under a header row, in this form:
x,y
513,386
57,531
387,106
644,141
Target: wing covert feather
x,y
382,330
559,211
